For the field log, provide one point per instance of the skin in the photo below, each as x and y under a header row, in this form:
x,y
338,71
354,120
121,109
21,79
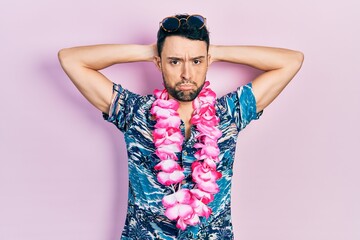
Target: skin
x,y
183,64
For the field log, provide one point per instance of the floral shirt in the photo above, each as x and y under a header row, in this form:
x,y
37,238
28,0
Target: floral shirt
x,y
145,218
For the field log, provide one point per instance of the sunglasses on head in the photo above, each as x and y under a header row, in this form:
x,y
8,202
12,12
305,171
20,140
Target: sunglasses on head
x,y
171,24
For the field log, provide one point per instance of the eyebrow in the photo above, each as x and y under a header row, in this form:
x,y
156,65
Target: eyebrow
x,y
178,58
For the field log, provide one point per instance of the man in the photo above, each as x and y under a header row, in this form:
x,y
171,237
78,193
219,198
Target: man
x,y
181,140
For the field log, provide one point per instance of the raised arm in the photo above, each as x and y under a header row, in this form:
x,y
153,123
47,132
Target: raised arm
x,y
82,65
280,66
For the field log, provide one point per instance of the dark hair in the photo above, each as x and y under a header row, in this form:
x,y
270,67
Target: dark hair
x,y
184,30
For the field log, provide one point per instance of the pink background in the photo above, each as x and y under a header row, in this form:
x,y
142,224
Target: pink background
x,y
63,169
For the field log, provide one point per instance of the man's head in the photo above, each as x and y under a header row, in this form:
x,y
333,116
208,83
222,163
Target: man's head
x,y
183,44
188,26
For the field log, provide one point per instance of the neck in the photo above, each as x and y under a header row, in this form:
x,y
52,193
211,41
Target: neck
x,y
185,110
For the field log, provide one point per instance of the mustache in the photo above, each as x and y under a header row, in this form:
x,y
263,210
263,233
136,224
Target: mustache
x,y
186,82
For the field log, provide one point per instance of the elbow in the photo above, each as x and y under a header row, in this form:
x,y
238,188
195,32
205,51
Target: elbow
x,y
68,56
63,56
294,61
298,59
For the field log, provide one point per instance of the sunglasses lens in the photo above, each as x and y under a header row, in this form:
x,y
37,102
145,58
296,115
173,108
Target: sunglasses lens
x,y
196,21
170,23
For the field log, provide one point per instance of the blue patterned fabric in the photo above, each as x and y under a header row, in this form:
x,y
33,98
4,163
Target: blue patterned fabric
x,y
145,215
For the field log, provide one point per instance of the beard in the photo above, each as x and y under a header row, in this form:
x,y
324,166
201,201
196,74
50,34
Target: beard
x,y
183,96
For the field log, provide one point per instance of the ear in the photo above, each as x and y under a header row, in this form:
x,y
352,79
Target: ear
x,y
209,59
157,62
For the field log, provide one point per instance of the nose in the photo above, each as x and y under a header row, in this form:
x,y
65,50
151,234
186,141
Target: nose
x,y
186,71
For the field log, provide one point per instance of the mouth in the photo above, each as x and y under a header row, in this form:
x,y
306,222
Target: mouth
x,y
186,86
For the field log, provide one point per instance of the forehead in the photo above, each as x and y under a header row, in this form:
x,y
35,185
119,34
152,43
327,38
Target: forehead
x,y
180,46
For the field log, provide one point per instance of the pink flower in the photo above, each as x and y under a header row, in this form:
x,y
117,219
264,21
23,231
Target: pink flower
x,y
168,151
205,115
179,207
205,177
186,206
161,94
179,211
168,178
169,104
192,220
200,208
178,204
162,112
170,122
164,153
181,196
206,96
211,162
204,197
208,186
208,150
210,132
167,137
168,166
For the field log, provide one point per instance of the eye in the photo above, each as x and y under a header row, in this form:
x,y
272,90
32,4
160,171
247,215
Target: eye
x,y
174,62
197,61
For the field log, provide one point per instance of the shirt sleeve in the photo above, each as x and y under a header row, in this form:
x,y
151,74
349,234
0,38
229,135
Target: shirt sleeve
x,y
120,108
241,105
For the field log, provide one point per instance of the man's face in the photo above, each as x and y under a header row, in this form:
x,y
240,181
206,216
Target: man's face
x,y
183,64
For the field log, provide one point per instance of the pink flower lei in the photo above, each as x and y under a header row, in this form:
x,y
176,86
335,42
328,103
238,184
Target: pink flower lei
x,y
187,205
